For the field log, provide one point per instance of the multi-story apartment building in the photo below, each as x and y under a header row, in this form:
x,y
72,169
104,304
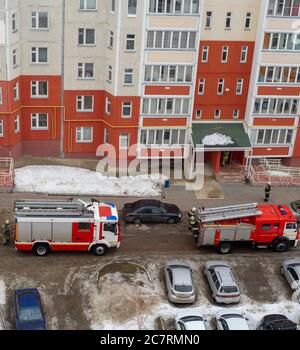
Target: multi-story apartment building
x,y
159,74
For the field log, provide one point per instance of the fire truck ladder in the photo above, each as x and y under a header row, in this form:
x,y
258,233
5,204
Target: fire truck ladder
x,y
48,208
229,212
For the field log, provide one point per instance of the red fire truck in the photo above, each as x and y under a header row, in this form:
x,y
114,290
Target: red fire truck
x,y
45,226
263,226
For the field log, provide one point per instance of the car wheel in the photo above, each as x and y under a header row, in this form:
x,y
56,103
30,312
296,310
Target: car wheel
x,y
280,246
224,248
171,221
137,221
41,249
99,250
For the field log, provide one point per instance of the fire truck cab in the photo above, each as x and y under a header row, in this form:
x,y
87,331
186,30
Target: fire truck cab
x,y
263,226
45,226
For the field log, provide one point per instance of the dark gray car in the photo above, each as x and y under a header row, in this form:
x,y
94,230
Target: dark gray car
x,y
295,206
151,211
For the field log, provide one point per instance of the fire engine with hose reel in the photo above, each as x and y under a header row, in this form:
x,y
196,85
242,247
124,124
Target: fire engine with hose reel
x,y
45,226
263,226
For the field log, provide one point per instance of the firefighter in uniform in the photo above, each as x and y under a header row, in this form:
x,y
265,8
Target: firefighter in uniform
x,y
192,214
195,228
6,234
267,191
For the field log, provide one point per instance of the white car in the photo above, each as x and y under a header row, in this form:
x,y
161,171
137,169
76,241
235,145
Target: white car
x,y
190,320
291,271
231,320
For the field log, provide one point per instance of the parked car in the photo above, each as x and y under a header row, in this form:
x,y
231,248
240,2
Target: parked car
x,y
295,206
28,310
151,210
231,320
190,320
222,282
179,281
290,269
276,323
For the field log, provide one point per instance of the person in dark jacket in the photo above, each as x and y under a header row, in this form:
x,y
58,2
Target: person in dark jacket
x,y
192,213
267,192
195,228
6,234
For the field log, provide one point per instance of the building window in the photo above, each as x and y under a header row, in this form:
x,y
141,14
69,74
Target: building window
x,y
14,26
272,136
224,56
130,42
109,74
124,141
276,74
159,137
111,39
1,95
236,114
198,114
244,54
166,73
16,92
239,86
85,70
17,124
228,21
282,41
88,5
39,121
171,39
39,89
107,105
166,106
248,20
85,103
106,136
220,90
126,109
1,128
276,106
86,36
84,134
128,77
177,7
15,58
288,8
39,55
217,114
39,20
201,87
132,7
208,20
205,52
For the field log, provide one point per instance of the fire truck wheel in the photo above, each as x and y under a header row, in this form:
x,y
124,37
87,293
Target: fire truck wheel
x,y
41,249
99,250
224,248
280,246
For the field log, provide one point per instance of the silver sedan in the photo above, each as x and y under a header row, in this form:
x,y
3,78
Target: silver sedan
x,y
290,269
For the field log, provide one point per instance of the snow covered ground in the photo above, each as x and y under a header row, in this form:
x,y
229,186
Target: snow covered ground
x,y
2,304
217,139
78,181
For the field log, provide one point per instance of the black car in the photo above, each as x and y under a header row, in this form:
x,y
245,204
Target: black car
x,y
277,323
151,210
295,206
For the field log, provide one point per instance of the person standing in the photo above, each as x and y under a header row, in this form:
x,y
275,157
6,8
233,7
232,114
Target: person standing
x,y
192,214
195,228
6,234
267,192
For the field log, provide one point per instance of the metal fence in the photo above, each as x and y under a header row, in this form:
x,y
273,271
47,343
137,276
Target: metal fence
x,y
6,172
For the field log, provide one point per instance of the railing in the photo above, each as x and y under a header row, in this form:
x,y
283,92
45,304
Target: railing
x,y
6,172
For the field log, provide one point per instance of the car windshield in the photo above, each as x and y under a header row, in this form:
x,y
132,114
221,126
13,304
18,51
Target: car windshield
x,y
229,289
232,316
296,206
29,314
192,319
183,288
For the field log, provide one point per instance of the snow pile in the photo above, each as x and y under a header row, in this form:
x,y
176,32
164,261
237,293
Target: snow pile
x,y
78,181
217,139
2,304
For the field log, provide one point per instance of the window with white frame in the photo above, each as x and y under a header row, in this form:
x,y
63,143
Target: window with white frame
x,y
1,95
163,137
166,106
171,40
228,21
1,128
282,41
272,136
169,73
201,87
14,26
39,55
126,109
88,5
107,105
111,39
175,7
130,42
85,103
198,114
17,124
39,89
244,54
106,136
85,71
109,74
236,113
132,7
84,134
39,20
86,36
16,92
276,106
279,74
217,114
208,20
220,90
128,76
15,57
205,51
124,141
112,6
248,20
39,121
224,56
239,86
285,8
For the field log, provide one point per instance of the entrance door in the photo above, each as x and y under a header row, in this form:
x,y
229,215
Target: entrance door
x,y
82,232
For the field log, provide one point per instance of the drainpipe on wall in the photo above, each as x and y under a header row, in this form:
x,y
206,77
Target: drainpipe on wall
x,y
62,155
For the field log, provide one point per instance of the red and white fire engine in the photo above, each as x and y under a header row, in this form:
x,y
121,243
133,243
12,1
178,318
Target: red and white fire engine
x,y
45,226
264,226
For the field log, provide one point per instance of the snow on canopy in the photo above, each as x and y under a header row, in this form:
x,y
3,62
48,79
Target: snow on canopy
x,y
217,139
